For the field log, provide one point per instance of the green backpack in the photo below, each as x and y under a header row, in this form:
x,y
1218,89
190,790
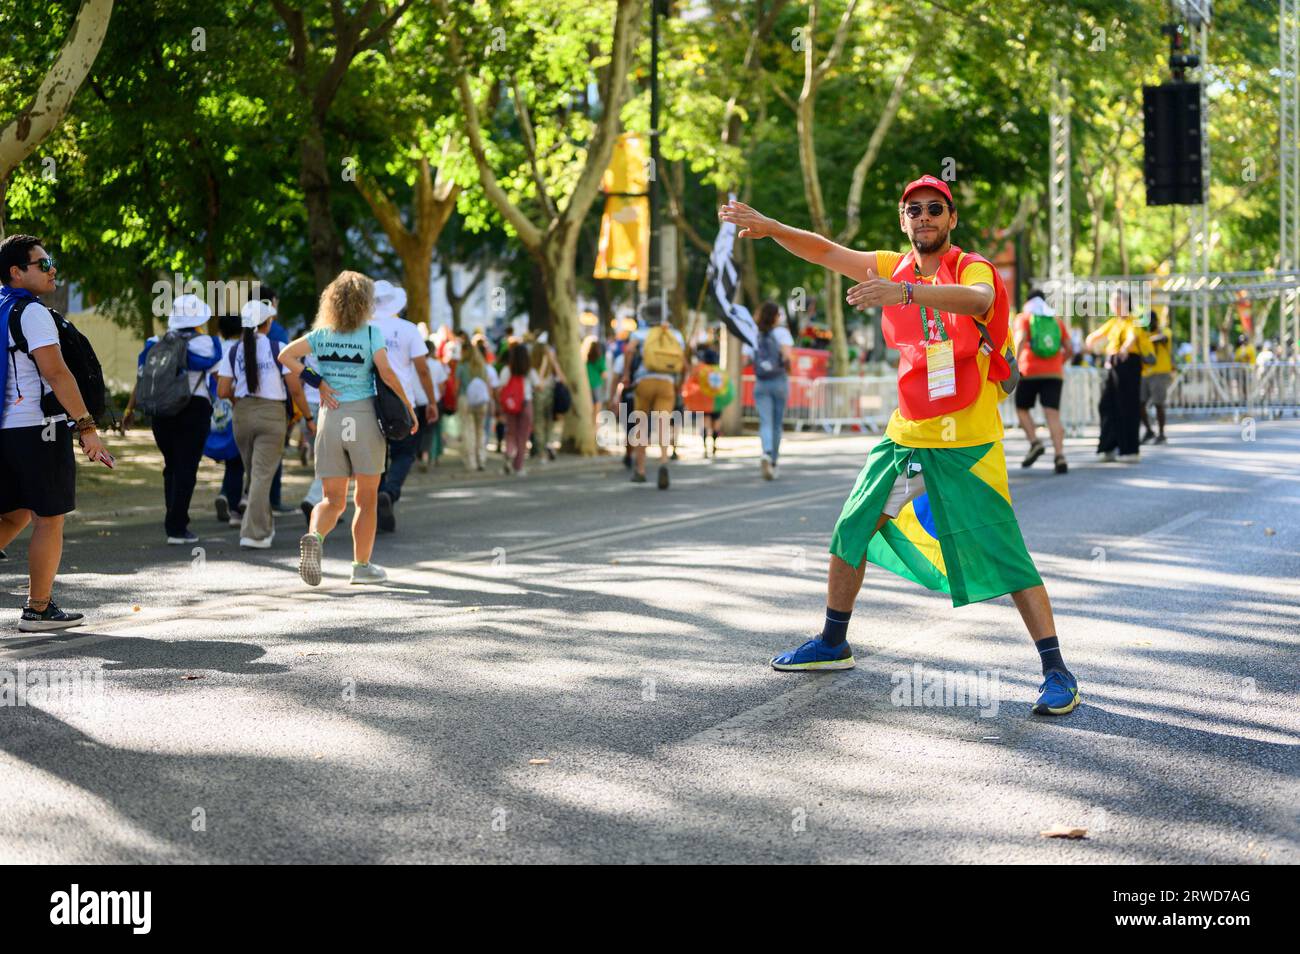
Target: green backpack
x,y
1044,336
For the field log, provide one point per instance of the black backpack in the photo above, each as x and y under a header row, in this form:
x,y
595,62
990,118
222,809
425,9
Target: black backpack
x,y
768,363
563,401
163,383
78,355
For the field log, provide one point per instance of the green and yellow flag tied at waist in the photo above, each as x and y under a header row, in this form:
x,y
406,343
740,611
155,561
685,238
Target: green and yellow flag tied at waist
x,y
959,537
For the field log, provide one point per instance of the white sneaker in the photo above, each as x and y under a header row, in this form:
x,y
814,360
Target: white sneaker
x,y
773,472
1129,458
765,464
250,543
236,520
367,573
309,556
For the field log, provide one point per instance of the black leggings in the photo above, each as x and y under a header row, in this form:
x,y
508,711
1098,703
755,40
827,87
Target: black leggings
x,y
181,440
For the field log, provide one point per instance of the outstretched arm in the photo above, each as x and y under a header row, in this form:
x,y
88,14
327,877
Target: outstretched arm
x,y
974,300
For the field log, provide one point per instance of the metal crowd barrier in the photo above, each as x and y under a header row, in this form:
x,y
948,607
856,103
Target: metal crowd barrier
x,y
861,402
1080,396
1243,390
798,404
831,404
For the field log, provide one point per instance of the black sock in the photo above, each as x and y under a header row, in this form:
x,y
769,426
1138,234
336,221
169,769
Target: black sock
x,y
836,628
1049,651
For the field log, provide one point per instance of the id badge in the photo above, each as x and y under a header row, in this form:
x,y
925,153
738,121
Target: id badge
x,y
941,372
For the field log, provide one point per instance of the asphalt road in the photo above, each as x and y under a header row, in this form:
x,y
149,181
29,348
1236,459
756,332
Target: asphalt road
x,y
622,634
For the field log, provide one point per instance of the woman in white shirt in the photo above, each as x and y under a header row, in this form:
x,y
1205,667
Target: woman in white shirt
x,y
260,387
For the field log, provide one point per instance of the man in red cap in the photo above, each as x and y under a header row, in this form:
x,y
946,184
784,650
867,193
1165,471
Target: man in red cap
x,y
932,503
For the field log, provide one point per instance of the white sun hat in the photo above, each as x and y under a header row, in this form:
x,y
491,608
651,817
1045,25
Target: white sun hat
x,y
255,312
188,311
390,299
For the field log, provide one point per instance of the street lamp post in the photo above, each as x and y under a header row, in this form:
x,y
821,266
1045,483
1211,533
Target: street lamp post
x,y
655,283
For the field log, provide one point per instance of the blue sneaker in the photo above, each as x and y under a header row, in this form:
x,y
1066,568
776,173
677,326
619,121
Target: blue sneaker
x,y
815,654
1058,694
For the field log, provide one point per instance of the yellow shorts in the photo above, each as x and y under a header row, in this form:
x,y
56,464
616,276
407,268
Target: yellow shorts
x,y
656,395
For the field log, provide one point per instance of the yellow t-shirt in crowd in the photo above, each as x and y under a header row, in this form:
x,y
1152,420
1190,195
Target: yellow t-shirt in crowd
x,y
1117,331
1245,354
1164,356
978,422
1145,349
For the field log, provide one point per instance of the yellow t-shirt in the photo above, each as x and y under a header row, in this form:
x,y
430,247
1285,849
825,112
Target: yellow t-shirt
x,y
1145,349
1245,354
978,422
1164,358
1118,329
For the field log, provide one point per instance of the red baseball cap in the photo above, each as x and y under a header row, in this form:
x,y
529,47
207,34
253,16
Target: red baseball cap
x,y
926,182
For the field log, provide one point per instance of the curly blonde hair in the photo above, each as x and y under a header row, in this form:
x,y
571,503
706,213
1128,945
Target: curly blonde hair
x,y
347,303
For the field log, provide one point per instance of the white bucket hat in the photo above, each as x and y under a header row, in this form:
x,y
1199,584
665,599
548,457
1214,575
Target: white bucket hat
x,y
1037,306
188,311
390,299
255,312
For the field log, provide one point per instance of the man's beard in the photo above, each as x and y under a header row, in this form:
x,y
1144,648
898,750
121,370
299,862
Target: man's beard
x,y
933,245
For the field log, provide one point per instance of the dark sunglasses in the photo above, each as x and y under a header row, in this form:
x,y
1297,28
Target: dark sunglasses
x,y
935,209
44,264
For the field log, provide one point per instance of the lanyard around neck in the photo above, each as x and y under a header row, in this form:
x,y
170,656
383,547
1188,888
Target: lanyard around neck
x,y
931,321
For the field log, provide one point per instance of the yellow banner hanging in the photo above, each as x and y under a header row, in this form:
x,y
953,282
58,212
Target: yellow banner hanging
x,y
628,169
624,250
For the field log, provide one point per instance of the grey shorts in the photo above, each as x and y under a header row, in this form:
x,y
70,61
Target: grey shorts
x,y
348,441
906,488
1155,388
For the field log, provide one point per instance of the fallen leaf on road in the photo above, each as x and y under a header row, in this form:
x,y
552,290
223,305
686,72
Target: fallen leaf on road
x,y
539,761
188,677
135,609
1065,831
1248,523
1269,531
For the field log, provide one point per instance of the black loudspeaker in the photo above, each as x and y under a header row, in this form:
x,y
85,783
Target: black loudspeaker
x,y
1172,159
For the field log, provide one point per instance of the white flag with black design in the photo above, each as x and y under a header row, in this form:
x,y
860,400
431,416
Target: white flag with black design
x,y
723,277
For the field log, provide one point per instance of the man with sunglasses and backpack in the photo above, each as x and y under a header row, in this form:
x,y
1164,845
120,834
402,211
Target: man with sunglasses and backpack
x,y
42,407
932,503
